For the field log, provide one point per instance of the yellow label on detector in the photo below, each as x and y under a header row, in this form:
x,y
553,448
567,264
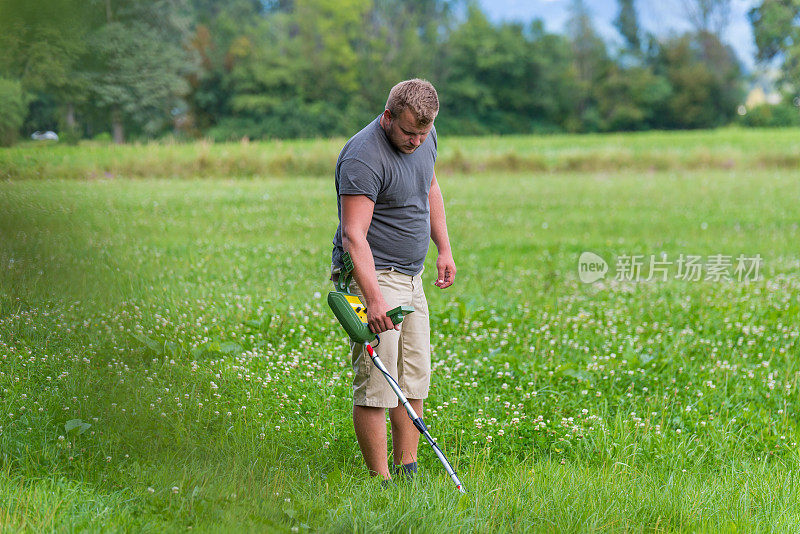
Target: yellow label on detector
x,y
358,307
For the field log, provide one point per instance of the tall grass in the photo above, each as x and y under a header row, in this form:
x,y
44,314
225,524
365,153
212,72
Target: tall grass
x,y
643,152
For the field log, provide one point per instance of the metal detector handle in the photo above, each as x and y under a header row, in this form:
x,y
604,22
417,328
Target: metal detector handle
x,y
397,314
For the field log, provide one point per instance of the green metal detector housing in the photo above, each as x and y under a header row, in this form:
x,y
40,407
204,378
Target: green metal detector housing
x,y
351,312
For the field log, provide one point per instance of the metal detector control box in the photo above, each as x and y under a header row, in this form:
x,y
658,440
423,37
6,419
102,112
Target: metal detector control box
x,y
351,312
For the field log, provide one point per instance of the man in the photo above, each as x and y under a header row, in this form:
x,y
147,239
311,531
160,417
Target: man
x,y
390,206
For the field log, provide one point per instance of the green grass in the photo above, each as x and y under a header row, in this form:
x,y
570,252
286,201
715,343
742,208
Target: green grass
x,y
184,321
729,148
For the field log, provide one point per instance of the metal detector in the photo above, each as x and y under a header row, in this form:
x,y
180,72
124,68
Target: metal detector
x,y
351,313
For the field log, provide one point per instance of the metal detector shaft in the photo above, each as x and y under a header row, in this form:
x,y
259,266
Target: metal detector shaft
x,y
418,423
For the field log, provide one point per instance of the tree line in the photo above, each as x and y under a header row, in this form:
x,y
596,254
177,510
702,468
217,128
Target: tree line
x,y
133,69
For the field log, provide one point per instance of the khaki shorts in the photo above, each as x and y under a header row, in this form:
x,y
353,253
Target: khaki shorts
x,y
405,353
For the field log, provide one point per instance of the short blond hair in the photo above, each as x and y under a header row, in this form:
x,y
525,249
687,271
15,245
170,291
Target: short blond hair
x,y
417,94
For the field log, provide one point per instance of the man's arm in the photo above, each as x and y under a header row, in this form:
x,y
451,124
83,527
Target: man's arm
x,y
445,265
356,218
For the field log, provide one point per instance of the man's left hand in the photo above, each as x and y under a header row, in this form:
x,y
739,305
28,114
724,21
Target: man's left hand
x,y
446,268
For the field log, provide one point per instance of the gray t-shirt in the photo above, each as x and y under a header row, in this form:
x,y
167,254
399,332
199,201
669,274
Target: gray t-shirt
x,y
398,184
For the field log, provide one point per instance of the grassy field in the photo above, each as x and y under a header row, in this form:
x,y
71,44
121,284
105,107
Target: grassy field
x,y
728,148
168,362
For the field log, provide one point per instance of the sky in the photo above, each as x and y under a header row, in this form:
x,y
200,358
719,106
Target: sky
x,y
660,17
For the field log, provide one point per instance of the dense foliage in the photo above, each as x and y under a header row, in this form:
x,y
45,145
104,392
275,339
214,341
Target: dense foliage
x,y
305,68
12,110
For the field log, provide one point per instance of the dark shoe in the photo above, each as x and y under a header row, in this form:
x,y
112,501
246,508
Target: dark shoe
x,y
406,471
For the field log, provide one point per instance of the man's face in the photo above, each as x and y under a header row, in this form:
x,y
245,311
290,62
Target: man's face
x,y
404,132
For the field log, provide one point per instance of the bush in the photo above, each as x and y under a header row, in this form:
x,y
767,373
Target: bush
x,y
772,116
13,108
69,136
294,119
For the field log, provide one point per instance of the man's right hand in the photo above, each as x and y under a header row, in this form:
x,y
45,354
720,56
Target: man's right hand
x,y
377,319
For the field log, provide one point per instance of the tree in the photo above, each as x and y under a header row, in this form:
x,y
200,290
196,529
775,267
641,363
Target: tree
x,y
13,108
297,74
631,98
311,67
776,27
591,62
135,64
553,83
705,80
326,34
475,65
505,78
627,24
708,16
42,48
217,40
400,40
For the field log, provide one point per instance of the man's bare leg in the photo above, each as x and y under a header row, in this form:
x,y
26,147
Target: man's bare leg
x,y
370,425
405,436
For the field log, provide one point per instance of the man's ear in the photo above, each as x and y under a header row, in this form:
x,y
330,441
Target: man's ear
x,y
387,115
